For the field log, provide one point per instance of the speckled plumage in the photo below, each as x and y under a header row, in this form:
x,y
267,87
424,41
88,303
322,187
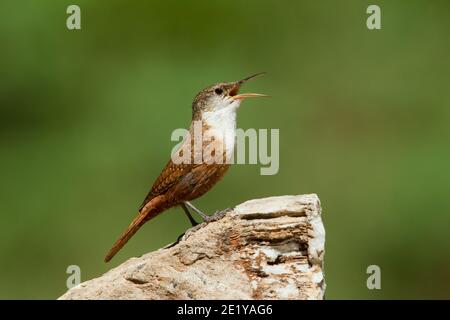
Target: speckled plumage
x,y
184,182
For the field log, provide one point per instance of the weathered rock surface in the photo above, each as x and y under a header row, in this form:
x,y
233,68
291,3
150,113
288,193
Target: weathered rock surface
x,y
270,248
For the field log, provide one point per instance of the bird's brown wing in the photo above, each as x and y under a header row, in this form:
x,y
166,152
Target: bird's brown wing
x,y
171,174
182,180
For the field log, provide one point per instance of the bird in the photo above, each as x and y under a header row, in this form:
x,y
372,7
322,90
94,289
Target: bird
x,y
214,111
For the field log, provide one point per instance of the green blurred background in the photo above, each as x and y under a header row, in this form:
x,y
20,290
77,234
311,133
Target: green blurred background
x,y
86,118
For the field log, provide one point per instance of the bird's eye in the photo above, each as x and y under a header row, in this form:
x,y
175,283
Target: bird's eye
x,y
218,91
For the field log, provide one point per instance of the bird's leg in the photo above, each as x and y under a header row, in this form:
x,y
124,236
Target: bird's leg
x,y
220,214
195,226
205,217
186,211
191,219
216,216
176,242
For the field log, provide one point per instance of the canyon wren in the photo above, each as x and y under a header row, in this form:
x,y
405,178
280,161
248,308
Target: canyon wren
x,y
214,108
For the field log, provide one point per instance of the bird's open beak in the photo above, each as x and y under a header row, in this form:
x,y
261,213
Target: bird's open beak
x,y
243,96
234,92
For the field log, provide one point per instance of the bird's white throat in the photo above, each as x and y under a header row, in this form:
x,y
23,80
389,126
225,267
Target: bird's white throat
x,y
222,125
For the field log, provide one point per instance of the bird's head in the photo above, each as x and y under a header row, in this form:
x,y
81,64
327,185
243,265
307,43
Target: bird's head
x,y
221,96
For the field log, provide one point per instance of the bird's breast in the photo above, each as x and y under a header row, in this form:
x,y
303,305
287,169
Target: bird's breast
x,y
221,130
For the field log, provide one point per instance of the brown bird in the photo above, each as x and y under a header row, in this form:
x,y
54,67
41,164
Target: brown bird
x,y
214,113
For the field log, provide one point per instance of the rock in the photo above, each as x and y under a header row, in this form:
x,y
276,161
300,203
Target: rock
x,y
271,248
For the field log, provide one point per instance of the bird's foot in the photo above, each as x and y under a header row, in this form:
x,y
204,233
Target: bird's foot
x,y
206,219
180,237
218,215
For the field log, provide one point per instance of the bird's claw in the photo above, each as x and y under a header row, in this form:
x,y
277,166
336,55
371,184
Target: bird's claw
x,y
218,215
207,219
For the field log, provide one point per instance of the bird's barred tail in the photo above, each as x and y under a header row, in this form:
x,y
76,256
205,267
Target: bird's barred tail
x,y
145,214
